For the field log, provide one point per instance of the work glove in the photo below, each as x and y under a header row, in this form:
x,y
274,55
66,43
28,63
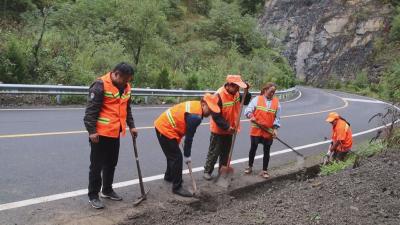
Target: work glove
x,y
187,160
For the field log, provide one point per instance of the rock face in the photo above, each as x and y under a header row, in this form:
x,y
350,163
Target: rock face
x,y
325,38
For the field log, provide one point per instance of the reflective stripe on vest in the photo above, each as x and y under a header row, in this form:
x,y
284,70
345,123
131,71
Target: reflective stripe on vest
x,y
229,111
265,116
172,124
112,117
171,118
103,120
232,103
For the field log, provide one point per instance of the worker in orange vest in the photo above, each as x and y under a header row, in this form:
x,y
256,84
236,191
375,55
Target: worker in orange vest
x,y
342,137
176,122
107,113
223,125
264,110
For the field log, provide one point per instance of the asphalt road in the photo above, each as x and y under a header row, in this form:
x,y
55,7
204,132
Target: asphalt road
x,y
46,152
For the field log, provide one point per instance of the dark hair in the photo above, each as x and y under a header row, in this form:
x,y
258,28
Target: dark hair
x,y
124,69
267,86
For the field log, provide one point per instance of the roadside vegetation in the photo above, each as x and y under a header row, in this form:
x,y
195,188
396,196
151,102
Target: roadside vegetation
x,y
189,44
385,140
363,150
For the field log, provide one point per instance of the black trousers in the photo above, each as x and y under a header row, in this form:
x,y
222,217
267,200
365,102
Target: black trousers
x,y
174,157
103,160
253,149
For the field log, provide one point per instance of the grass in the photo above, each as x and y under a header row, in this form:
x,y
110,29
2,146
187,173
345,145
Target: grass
x,y
364,150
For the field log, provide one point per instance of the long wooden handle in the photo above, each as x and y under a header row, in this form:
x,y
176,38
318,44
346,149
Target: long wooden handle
x,y
266,130
237,125
138,167
189,164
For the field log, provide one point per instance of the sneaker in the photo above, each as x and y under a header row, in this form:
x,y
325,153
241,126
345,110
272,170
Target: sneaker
x,y
96,203
182,192
248,170
112,195
207,176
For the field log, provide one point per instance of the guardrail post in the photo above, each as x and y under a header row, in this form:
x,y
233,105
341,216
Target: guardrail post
x,y
146,98
179,98
58,97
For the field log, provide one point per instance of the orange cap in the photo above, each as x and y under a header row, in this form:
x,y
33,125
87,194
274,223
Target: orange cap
x,y
332,116
236,79
212,102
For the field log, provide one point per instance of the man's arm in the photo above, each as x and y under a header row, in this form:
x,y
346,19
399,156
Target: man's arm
x,y
93,107
277,121
218,119
247,99
192,122
129,118
248,112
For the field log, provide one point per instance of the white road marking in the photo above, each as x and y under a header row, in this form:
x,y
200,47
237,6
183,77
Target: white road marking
x,y
49,198
297,98
363,100
65,195
151,127
78,108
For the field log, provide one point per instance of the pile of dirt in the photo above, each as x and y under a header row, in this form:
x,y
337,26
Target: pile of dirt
x,y
369,194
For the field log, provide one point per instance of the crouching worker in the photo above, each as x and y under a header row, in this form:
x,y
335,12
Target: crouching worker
x,y
342,139
176,122
264,110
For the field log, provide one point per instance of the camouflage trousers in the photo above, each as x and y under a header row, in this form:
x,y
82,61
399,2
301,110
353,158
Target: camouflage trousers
x,y
219,147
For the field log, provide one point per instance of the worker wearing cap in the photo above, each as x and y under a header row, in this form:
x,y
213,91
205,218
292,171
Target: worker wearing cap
x,y
176,122
264,110
342,139
223,124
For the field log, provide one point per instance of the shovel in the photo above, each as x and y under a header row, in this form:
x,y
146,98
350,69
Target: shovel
x,y
225,171
189,165
144,193
266,130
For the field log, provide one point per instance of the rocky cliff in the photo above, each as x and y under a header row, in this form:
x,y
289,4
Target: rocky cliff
x,y
325,39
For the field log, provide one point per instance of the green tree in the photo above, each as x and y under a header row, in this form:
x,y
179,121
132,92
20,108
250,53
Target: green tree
x,y
142,27
163,80
251,7
192,83
227,25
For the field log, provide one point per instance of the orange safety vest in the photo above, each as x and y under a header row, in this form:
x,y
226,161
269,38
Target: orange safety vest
x,y
112,117
172,124
342,132
264,116
230,111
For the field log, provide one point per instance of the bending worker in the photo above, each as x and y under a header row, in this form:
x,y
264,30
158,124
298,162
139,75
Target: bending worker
x,y
107,113
342,137
176,122
265,110
223,124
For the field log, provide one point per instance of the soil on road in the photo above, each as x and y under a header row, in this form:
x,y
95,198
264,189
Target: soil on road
x,y
369,194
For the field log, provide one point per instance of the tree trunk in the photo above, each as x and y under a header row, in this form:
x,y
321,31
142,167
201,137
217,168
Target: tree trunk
x,y
36,48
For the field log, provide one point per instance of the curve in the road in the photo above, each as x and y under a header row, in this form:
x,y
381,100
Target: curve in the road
x,y
160,176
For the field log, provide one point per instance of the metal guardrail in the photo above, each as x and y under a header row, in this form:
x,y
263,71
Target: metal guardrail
x,y
83,90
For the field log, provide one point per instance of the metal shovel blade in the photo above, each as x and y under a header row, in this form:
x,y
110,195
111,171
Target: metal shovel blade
x,y
141,198
224,176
